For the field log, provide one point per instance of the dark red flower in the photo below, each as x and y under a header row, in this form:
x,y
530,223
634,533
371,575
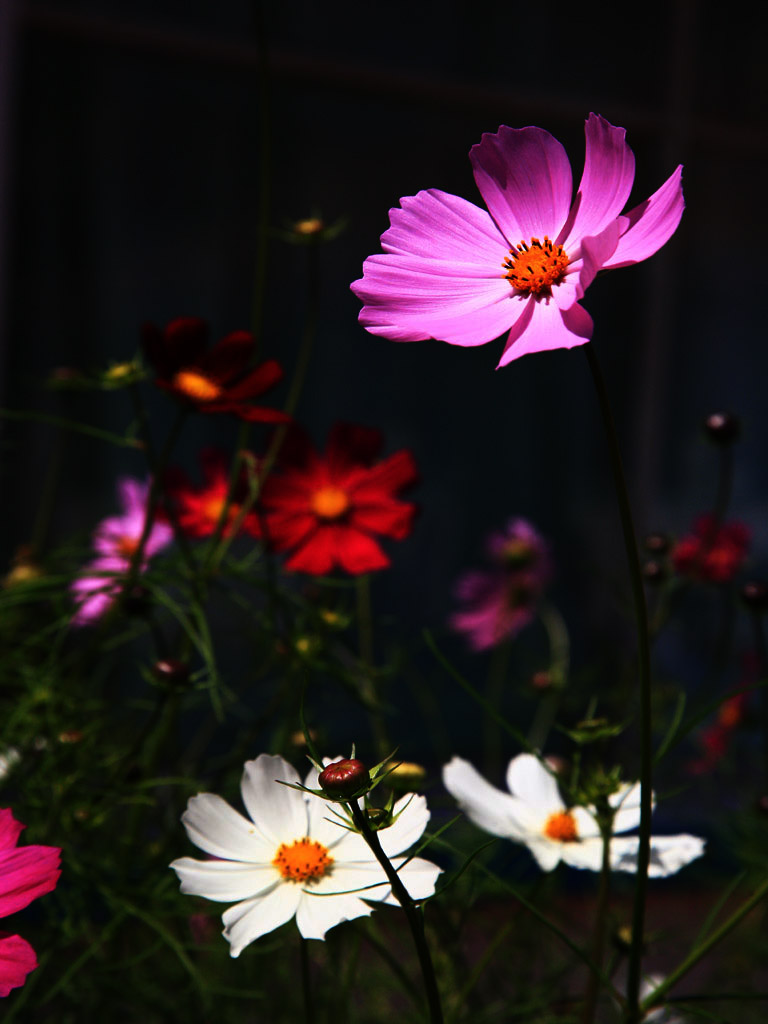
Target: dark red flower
x,y
713,551
211,380
329,508
198,508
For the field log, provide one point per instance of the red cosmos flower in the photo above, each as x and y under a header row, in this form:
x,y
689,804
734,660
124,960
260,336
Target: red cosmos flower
x,y
713,552
198,508
329,508
215,380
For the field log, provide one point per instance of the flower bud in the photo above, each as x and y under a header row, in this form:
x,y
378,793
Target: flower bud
x,y
722,427
656,543
754,594
171,671
653,571
407,776
344,778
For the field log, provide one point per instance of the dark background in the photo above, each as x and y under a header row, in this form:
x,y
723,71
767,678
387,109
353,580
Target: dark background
x,y
131,152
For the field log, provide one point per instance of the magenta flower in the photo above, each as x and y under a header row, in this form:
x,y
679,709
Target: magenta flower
x,y
457,273
500,601
116,539
25,873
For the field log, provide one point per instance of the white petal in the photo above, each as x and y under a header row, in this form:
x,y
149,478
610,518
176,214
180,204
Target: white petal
x,y
489,808
408,828
587,854
252,918
529,780
586,826
217,828
279,812
668,854
546,852
316,913
224,880
419,877
626,800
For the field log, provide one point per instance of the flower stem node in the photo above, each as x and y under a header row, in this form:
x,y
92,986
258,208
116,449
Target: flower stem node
x,y
722,427
754,594
344,779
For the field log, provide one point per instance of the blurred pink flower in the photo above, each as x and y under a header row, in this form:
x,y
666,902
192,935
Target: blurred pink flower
x,y
500,601
25,873
116,539
455,272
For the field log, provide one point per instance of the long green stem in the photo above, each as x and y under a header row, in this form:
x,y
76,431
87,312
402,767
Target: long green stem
x,y
644,679
412,913
598,935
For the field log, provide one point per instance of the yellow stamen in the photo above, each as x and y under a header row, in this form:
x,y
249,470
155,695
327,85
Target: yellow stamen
x,y
534,268
303,859
561,827
196,386
330,502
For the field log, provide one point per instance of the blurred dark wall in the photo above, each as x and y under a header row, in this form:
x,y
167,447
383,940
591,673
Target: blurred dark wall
x,y
132,168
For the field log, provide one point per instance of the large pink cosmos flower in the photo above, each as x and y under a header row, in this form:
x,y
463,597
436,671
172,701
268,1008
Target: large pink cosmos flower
x,y
457,273
116,539
25,873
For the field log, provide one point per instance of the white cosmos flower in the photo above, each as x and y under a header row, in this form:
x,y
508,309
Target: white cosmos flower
x,y
533,813
293,858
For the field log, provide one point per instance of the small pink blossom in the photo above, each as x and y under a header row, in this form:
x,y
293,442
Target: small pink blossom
x,y
26,872
713,551
500,601
464,275
116,540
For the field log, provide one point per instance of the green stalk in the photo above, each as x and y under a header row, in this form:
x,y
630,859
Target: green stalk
x,y
414,917
644,679
598,935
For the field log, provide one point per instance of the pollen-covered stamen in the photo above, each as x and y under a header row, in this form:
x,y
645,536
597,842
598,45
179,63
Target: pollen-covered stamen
x,y
196,386
303,859
536,267
330,502
561,827
126,546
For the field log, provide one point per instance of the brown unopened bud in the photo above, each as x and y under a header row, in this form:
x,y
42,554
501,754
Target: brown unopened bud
x,y
343,779
541,680
656,543
70,736
653,571
171,671
754,594
722,427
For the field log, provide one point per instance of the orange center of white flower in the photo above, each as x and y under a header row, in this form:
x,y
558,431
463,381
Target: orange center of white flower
x,y
301,860
330,502
561,827
196,385
533,268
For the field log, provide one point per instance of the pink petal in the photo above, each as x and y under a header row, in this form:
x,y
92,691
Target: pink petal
x,y
609,170
595,253
410,298
10,829
26,873
17,959
648,226
133,496
545,327
440,226
525,179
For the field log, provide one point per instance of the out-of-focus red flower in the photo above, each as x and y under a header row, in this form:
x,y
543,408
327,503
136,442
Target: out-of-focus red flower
x,y
211,380
713,552
328,509
198,508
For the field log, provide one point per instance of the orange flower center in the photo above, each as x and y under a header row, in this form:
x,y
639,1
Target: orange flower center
x,y
536,267
301,860
561,827
330,502
212,507
196,386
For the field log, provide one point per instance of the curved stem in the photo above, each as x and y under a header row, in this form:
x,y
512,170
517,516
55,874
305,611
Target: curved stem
x,y
412,914
644,679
